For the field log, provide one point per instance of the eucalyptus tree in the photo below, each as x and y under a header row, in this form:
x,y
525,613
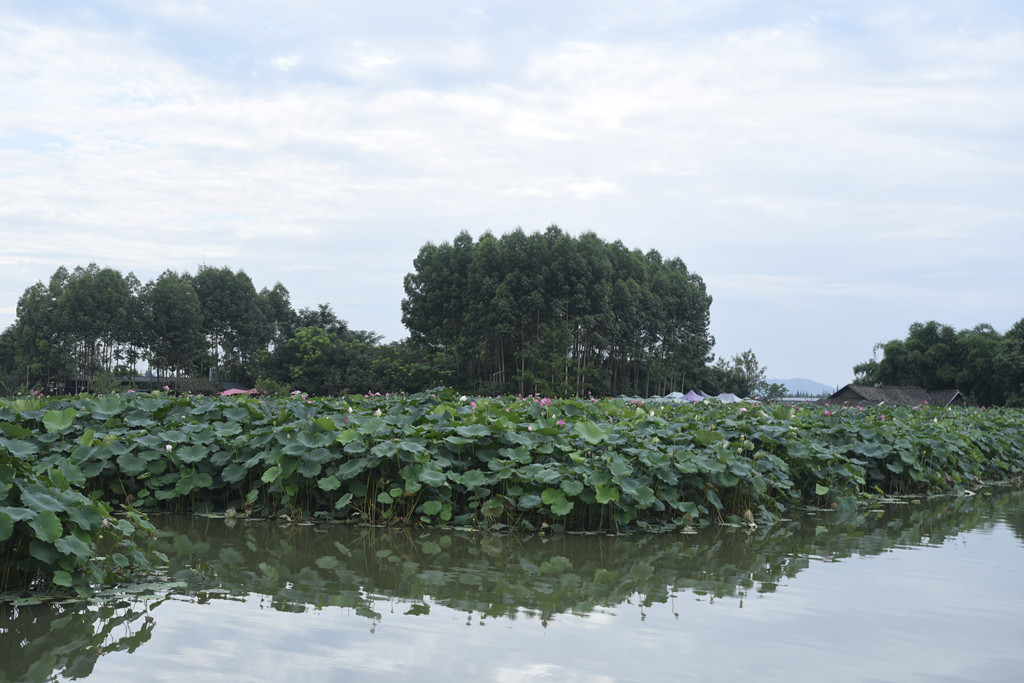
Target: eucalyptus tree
x,y
41,340
10,375
233,321
95,309
276,306
556,314
174,321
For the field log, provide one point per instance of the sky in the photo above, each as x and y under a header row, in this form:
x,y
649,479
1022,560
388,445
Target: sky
x,y
834,171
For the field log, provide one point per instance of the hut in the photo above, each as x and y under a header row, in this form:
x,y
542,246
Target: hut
x,y
861,395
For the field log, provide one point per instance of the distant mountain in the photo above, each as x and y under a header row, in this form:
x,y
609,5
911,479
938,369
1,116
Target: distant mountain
x,y
804,386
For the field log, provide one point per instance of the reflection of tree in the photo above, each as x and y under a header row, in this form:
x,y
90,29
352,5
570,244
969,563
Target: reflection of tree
x,y
302,567
39,642
364,569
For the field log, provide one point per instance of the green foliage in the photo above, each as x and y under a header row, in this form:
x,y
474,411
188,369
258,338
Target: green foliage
x,y
987,368
442,458
559,315
52,536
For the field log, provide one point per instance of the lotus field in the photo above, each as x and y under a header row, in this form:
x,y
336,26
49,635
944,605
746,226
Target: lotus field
x,y
75,472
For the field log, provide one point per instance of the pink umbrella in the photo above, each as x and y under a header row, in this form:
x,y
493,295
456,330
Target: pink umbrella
x,y
235,392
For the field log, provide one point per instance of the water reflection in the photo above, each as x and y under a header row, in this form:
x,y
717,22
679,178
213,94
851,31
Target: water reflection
x,y
384,577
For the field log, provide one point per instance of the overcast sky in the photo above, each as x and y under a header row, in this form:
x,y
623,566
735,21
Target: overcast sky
x,y
835,171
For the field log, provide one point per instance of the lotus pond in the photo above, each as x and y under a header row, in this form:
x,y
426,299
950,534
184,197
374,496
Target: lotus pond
x,y
919,590
78,474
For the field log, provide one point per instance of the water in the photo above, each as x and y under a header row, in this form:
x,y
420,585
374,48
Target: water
x,y
922,591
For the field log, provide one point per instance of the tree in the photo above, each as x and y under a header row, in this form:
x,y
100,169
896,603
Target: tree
x,y
174,320
232,319
1009,364
979,362
743,375
555,314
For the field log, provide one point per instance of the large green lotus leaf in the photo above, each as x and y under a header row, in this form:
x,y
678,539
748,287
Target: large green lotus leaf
x,y
191,454
15,431
43,551
370,426
309,468
590,431
644,497
562,507
105,407
618,466
72,472
226,429
329,483
7,526
40,501
234,473
572,487
86,517
191,481
432,477
131,464
236,414
473,479
705,437
174,436
606,493
70,545
59,420
473,431
47,526
19,448
528,502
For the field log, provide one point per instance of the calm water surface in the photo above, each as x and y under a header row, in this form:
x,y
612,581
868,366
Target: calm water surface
x,y
923,591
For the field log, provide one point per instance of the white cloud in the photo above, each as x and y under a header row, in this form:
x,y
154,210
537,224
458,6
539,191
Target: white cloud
x,y
744,142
